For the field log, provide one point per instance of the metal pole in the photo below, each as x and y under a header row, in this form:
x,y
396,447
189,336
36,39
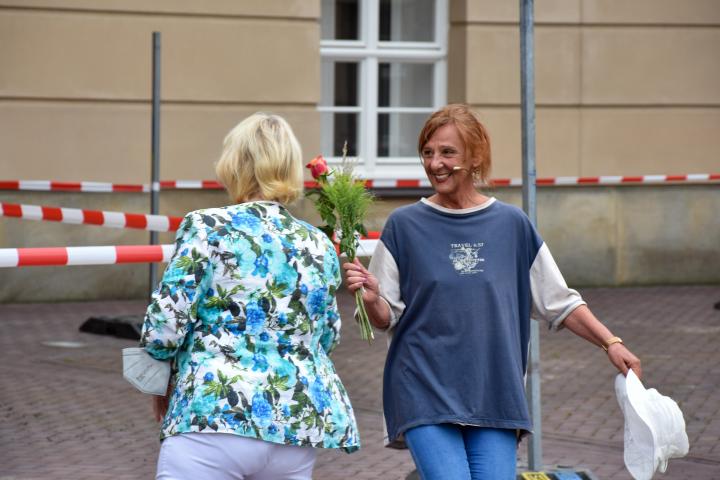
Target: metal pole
x,y
527,88
155,155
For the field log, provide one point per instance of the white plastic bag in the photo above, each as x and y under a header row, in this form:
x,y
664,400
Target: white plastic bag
x,y
654,427
144,372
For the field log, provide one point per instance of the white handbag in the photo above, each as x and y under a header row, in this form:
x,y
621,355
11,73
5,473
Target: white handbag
x,y
144,372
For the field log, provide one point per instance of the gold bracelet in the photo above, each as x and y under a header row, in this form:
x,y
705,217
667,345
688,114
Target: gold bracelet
x,y
610,341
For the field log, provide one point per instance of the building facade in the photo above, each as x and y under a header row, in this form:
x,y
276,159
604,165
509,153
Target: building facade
x,y
622,88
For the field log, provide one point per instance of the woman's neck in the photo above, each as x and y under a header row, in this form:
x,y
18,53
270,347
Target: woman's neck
x,y
252,198
459,201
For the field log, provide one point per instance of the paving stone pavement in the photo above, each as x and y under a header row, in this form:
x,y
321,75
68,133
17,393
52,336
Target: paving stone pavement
x,y
67,413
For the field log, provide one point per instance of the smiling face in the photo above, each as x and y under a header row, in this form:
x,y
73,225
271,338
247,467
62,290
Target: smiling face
x,y
441,153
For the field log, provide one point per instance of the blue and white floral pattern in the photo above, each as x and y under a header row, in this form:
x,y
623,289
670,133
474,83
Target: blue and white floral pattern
x,y
247,312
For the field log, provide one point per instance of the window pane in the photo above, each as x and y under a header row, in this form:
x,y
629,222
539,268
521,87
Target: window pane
x,y
346,84
407,20
338,128
405,85
339,84
340,20
398,133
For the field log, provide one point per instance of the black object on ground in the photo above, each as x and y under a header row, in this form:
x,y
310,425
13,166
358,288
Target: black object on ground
x,y
125,326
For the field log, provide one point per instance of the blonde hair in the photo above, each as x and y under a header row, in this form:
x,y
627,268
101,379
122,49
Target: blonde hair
x,y
261,158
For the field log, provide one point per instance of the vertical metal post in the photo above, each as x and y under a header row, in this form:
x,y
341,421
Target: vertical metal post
x,y
527,87
155,153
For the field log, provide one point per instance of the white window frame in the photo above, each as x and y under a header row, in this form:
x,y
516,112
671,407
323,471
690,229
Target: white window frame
x,y
368,52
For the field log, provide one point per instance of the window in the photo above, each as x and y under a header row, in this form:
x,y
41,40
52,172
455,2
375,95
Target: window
x,y
383,73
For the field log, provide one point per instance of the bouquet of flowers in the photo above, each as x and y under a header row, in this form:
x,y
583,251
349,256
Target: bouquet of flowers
x,y
342,201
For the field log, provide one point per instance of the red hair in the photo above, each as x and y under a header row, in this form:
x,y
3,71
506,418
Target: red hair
x,y
471,131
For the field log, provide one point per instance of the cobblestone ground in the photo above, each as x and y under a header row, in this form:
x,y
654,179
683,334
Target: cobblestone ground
x,y
66,412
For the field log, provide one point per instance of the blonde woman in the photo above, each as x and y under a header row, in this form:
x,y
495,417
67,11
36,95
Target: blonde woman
x,y
246,313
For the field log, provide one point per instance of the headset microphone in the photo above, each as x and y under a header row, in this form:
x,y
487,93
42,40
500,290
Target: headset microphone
x,y
457,169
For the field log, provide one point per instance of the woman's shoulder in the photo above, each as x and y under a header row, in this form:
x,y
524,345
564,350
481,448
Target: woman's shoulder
x,y
230,212
212,212
207,217
507,208
405,211
316,233
515,218
308,226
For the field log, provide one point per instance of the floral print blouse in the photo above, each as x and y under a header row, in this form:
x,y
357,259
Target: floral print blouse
x,y
247,310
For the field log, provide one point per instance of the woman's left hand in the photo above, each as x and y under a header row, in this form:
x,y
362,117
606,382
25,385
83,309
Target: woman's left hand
x,y
583,323
623,359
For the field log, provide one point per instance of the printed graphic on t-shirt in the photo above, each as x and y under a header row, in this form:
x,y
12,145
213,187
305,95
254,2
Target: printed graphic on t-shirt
x,y
466,257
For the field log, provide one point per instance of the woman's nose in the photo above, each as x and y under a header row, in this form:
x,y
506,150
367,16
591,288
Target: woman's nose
x,y
432,160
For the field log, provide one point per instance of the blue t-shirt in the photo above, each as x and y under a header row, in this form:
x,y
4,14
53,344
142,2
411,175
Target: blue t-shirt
x,y
459,350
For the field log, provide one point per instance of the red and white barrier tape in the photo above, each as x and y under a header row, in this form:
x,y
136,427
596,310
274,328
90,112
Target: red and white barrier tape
x,y
558,181
55,256
52,186
48,185
69,256
613,180
155,223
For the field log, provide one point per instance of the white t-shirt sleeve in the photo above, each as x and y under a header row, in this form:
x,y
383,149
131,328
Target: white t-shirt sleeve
x,y
552,299
385,269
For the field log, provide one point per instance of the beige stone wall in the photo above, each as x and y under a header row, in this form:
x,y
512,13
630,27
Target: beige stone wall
x,y
622,88
75,82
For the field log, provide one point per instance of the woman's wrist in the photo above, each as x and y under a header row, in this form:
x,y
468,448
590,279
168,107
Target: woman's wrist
x,y
379,312
607,343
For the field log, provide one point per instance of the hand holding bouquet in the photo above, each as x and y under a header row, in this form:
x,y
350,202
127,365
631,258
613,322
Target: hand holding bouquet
x,y
342,202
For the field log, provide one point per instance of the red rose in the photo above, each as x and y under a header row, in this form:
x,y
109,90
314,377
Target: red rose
x,y
318,166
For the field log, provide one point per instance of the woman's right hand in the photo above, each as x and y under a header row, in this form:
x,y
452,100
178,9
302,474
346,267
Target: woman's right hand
x,y
160,406
357,276
160,403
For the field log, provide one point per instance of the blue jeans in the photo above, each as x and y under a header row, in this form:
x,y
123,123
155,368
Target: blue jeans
x,y
457,452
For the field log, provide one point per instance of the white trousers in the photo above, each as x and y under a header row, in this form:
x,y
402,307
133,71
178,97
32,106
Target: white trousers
x,y
224,456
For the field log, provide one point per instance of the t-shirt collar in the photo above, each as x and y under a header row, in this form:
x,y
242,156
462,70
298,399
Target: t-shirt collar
x,y
459,211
